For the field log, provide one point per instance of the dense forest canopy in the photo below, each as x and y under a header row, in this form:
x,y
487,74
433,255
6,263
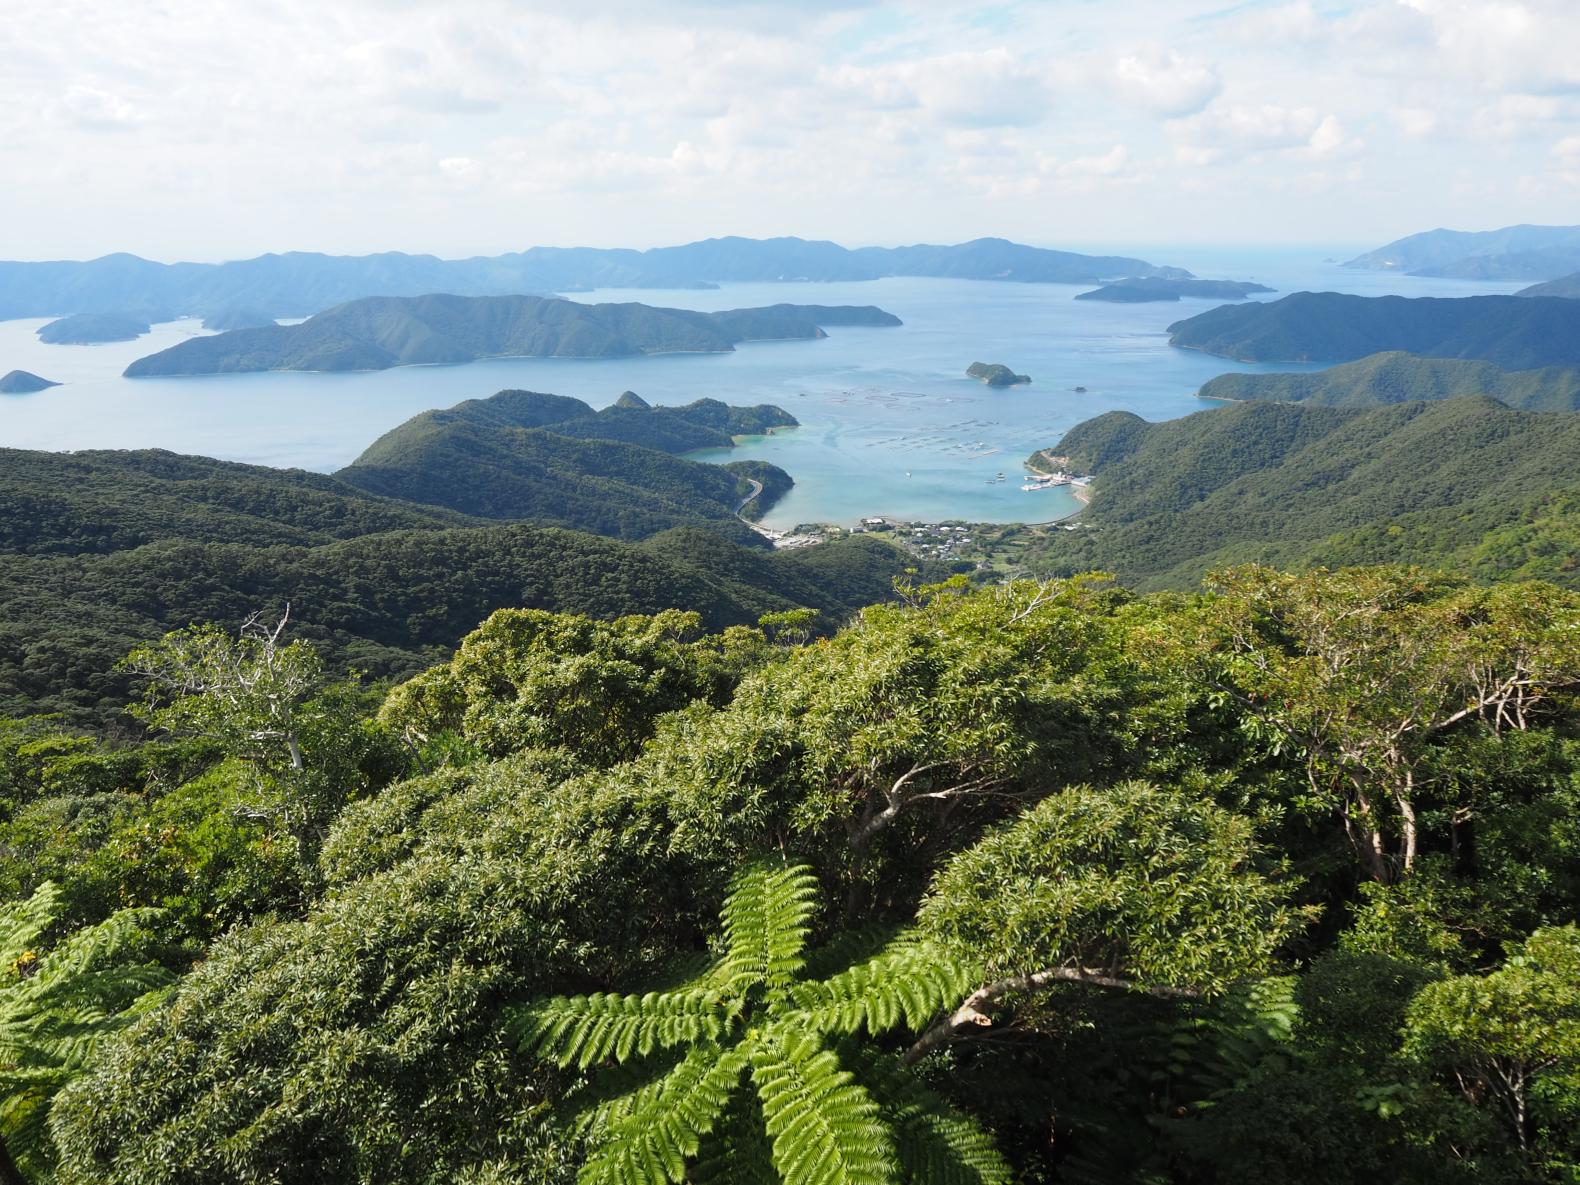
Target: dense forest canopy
x,y
1041,881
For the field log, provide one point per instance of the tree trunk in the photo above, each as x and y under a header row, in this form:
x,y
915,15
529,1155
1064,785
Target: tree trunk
x,y
9,1173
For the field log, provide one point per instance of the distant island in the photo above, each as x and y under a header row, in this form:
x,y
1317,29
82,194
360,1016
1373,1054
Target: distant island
x,y
996,374
1143,289
22,382
237,317
299,283
1395,377
380,332
1516,333
81,329
1512,253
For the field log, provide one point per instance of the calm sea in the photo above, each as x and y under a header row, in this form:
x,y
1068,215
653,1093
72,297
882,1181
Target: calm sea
x,y
889,423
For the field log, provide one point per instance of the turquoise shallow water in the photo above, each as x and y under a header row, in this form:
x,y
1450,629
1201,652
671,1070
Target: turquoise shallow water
x,y
890,425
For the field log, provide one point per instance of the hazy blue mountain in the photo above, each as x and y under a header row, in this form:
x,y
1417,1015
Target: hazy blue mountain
x,y
300,283
23,382
383,331
1143,289
1512,253
1402,378
1514,333
237,317
91,328
1565,286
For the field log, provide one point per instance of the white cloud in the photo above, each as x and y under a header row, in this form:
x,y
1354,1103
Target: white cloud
x,y
1163,82
95,110
368,124
1113,162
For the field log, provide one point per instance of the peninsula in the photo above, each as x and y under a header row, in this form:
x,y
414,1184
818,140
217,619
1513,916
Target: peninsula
x,y
1382,379
381,332
1513,332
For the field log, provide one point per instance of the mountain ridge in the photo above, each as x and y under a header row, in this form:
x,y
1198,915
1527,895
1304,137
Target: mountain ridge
x,y
298,284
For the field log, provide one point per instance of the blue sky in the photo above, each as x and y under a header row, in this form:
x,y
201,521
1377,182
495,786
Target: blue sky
x,y
212,129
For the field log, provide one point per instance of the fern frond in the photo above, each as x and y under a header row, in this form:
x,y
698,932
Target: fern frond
x,y
938,1144
824,1127
908,983
23,1115
738,1152
1213,1051
767,918
651,1142
23,922
581,1030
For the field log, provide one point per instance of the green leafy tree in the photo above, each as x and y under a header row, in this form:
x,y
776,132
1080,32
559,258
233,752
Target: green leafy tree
x,y
307,745
1360,673
53,1010
754,1014
1510,1040
1131,886
530,679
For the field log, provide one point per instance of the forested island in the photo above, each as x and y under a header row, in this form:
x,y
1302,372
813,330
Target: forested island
x,y
1516,333
995,374
23,382
1146,289
380,332
94,328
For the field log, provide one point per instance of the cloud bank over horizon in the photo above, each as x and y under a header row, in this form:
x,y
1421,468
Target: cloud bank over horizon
x,y
210,129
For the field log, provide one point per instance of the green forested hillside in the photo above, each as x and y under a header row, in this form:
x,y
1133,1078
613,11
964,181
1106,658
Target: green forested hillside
x,y
103,500
1463,483
387,603
378,332
1512,332
605,487
1402,378
100,550
702,423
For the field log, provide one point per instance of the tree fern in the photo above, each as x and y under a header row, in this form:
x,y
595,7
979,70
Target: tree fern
x,y
937,1144
55,1008
752,1016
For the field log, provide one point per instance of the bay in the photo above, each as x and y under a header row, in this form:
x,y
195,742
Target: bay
x,y
890,425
